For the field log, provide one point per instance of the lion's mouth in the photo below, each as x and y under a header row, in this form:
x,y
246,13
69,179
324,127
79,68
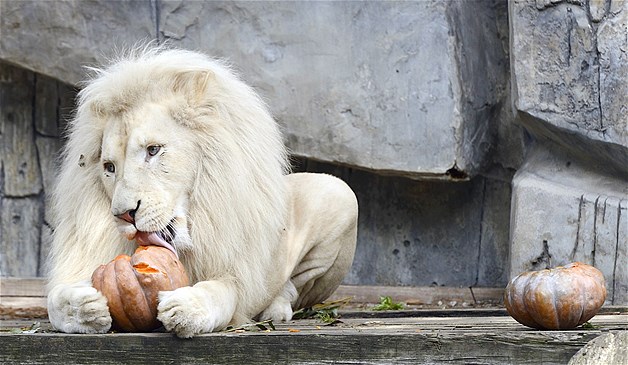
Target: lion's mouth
x,y
161,238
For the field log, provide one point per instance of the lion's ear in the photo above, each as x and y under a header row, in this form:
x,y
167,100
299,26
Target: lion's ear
x,y
192,84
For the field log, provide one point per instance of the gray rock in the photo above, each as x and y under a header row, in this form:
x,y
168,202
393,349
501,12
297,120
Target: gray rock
x,y
410,88
44,250
569,76
563,212
18,154
397,87
569,68
607,349
58,39
612,46
20,220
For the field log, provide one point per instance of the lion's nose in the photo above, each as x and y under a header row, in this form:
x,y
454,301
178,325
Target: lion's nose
x,y
129,215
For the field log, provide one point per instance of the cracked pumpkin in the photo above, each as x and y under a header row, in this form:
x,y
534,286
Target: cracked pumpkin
x,y
131,285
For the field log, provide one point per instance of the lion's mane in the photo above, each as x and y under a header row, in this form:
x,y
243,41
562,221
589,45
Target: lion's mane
x,y
237,208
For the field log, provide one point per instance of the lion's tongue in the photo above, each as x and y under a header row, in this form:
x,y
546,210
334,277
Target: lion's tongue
x,y
152,238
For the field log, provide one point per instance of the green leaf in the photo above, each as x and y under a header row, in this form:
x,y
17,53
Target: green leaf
x,y
589,326
386,304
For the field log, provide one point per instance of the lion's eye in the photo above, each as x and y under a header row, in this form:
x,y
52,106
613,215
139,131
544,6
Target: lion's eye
x,y
109,167
153,150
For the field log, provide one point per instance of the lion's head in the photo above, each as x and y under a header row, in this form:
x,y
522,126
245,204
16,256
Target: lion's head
x,y
169,147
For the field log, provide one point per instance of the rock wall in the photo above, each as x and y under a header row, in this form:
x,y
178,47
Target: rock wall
x,y
399,87
377,92
570,91
33,109
396,87
411,232
411,103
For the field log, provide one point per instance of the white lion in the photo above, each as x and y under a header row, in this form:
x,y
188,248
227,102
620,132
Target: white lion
x,y
169,147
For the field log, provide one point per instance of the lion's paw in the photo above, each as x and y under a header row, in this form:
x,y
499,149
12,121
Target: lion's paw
x,y
279,310
78,308
187,312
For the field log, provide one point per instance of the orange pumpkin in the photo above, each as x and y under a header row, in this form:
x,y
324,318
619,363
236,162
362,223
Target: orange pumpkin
x,y
560,298
131,285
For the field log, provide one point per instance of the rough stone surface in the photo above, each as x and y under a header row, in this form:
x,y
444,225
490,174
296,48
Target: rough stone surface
x,y
20,220
562,212
33,109
608,349
569,66
427,233
407,88
17,151
60,40
395,87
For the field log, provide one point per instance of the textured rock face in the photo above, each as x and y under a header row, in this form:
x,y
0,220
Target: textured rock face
x,y
60,39
570,86
418,89
569,65
388,86
33,109
410,88
609,348
565,212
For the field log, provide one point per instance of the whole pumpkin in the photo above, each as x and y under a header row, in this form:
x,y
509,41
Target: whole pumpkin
x,y
131,285
559,298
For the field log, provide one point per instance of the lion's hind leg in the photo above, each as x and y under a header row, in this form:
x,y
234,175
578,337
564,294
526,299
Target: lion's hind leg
x,y
280,309
322,270
323,228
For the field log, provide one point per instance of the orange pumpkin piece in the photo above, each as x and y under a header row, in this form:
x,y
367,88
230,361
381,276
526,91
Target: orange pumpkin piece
x,y
560,298
131,285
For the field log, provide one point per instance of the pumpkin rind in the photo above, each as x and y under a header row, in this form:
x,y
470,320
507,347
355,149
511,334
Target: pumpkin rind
x,y
132,284
559,298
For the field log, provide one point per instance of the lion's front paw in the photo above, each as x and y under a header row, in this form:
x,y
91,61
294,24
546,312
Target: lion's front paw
x,y
187,311
78,308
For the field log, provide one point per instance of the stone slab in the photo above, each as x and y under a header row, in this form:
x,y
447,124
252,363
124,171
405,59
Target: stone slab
x,y
569,67
398,87
20,222
562,212
59,38
17,149
395,87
